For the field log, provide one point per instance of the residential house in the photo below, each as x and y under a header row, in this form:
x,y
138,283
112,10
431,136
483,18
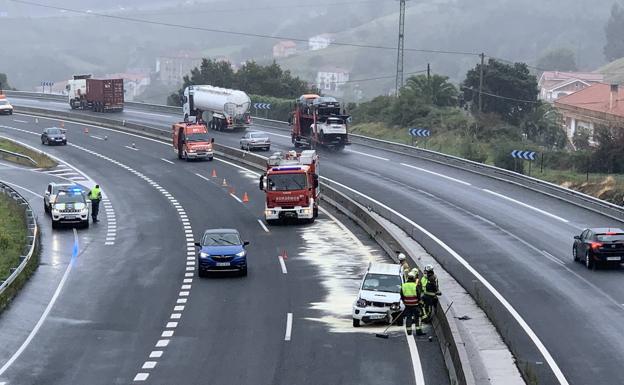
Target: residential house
x,y
598,104
134,83
555,84
329,80
172,68
284,49
319,41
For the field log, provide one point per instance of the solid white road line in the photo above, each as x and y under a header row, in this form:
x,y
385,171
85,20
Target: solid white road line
x,y
289,321
18,121
97,137
436,174
527,206
552,257
369,155
166,160
47,310
418,371
131,148
266,229
514,313
282,264
237,198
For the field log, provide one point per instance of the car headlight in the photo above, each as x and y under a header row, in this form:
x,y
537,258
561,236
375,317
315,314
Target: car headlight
x,y
59,206
361,302
395,306
241,254
204,255
80,206
191,150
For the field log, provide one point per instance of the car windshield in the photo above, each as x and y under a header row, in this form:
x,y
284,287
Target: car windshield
x,y
257,135
287,182
57,188
610,237
69,198
4,103
198,137
54,131
221,239
382,282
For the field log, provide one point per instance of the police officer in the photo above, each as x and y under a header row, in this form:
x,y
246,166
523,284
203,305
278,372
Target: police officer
x,y
95,195
404,265
431,291
411,300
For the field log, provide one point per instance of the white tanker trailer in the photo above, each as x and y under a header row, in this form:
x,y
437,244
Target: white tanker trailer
x,y
221,108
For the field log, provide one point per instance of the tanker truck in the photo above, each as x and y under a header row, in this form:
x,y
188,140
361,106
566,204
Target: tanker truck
x,y
220,108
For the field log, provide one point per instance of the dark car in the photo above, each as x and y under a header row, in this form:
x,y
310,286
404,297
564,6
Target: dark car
x,y
221,250
599,246
53,135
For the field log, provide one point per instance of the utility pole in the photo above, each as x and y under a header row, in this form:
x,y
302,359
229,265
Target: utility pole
x,y
482,55
399,72
428,72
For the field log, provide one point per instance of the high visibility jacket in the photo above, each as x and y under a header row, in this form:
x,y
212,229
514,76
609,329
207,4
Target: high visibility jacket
x,y
95,193
430,286
409,294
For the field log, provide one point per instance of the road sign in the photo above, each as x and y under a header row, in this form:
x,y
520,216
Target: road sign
x,y
419,132
47,84
526,155
262,106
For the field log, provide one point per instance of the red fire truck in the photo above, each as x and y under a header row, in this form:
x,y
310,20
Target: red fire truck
x,y
318,121
191,141
292,186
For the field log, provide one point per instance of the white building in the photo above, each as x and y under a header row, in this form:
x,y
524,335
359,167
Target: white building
x,y
319,41
556,84
330,79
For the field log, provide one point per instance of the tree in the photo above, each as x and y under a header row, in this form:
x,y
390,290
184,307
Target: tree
x,y
614,30
509,90
544,126
4,82
581,138
559,59
435,90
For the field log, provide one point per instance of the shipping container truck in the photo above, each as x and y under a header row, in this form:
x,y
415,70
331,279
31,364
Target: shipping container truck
x,y
99,95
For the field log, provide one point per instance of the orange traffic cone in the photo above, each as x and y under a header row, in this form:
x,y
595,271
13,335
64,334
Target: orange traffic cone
x,y
224,183
86,130
214,173
62,124
245,198
284,254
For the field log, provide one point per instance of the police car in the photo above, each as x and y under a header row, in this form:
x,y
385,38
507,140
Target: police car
x,y
379,299
51,192
70,207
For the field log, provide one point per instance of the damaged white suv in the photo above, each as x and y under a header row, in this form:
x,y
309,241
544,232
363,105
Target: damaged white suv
x,y
379,299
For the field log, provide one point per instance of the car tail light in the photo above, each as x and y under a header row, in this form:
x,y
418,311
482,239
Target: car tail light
x,y
596,245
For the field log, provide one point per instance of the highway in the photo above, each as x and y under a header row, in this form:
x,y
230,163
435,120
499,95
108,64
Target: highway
x,y
131,309
520,241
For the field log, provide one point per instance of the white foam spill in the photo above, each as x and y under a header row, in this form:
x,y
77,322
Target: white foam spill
x,y
341,263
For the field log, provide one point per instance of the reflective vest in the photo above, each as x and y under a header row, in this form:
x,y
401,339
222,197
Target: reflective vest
x,y
430,286
95,193
409,294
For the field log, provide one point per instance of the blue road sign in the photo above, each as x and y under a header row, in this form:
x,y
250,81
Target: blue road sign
x,y
47,84
262,106
526,155
419,132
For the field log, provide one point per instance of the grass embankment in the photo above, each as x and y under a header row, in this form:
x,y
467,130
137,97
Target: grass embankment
x,y
603,186
43,161
12,234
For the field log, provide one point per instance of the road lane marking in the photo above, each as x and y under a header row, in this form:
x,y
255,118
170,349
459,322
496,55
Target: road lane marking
x,y
527,206
172,325
167,333
203,177
23,188
282,264
437,174
149,365
18,121
416,366
57,292
156,354
141,377
278,135
514,313
162,343
237,198
266,229
97,137
131,148
369,155
552,257
289,321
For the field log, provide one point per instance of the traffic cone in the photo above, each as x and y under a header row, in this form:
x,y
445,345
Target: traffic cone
x,y
224,183
284,254
86,130
245,198
214,173
105,137
133,146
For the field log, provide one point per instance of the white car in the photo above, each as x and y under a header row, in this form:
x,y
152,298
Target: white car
x,y
331,125
5,106
72,207
379,299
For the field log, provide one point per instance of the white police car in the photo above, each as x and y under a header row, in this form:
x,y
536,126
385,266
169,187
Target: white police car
x,y
70,206
379,299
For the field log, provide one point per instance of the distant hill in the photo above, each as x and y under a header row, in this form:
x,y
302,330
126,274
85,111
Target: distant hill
x,y
614,71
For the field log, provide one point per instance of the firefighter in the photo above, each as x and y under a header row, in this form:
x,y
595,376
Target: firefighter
x,y
431,291
411,300
404,265
95,195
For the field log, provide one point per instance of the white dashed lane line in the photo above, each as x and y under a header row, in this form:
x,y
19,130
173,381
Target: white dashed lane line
x,y
282,264
289,322
368,155
185,289
131,148
166,160
264,227
527,206
436,174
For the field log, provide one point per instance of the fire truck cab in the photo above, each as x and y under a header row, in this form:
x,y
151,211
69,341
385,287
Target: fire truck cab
x,y
291,185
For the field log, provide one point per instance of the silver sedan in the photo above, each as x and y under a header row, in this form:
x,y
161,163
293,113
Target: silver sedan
x,y
255,140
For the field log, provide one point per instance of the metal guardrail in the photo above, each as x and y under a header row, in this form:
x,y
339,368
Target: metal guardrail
x,y
550,189
6,153
35,95
8,287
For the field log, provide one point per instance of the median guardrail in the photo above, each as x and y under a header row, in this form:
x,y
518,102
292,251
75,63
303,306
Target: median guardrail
x,y
453,347
19,158
29,261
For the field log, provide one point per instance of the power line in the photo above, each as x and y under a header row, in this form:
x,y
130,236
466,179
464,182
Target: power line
x,y
235,33
382,77
500,96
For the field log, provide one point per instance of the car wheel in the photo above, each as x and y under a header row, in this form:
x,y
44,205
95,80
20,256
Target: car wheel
x,y
589,262
575,254
201,273
55,224
65,143
356,323
210,159
244,272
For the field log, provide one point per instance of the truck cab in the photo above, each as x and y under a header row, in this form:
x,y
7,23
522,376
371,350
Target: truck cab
x,y
291,186
191,141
